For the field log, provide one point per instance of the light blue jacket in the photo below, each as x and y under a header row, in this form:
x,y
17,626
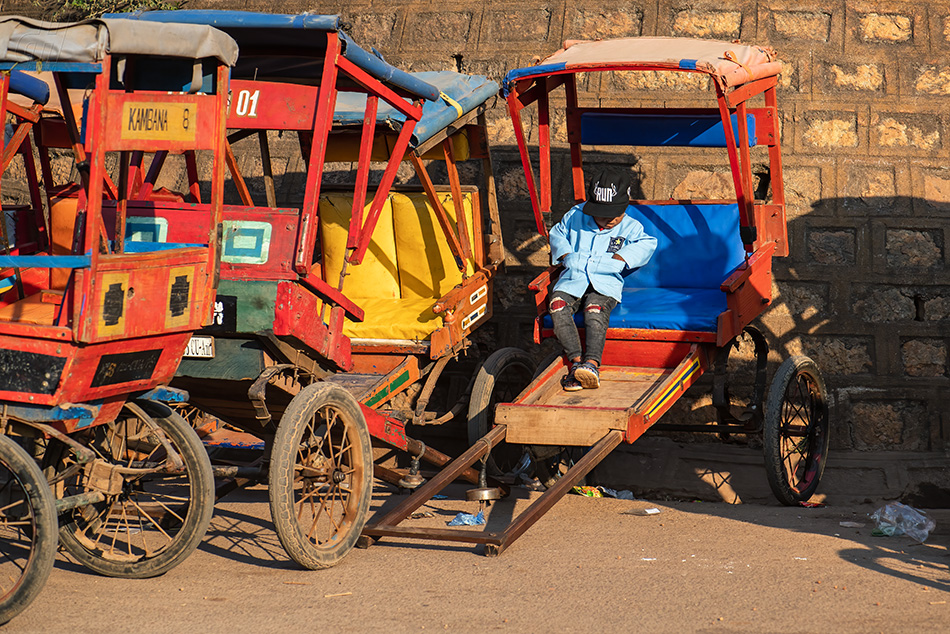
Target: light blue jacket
x,y
589,252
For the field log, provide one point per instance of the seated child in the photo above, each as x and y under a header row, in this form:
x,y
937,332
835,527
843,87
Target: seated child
x,y
596,242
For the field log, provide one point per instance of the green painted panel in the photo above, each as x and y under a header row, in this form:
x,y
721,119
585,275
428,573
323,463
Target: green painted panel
x,y
234,360
253,302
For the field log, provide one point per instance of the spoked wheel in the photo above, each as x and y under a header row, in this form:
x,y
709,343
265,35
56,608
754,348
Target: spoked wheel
x,y
28,530
796,430
500,379
320,476
159,494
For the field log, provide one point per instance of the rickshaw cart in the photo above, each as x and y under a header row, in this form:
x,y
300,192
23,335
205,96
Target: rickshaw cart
x,y
336,320
681,313
94,325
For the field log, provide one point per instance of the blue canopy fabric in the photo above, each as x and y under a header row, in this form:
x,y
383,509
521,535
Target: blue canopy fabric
x,y
468,91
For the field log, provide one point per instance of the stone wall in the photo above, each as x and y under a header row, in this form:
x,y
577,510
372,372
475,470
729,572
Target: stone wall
x,y
866,140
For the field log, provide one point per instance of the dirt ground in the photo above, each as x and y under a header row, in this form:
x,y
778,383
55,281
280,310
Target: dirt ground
x,y
586,566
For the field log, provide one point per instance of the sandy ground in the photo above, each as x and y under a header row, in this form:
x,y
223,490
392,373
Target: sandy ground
x,y
586,566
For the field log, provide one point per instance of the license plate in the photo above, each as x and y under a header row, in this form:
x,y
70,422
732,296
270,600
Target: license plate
x,y
200,348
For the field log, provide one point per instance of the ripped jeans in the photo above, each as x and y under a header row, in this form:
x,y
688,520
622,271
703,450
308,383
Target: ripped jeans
x,y
597,309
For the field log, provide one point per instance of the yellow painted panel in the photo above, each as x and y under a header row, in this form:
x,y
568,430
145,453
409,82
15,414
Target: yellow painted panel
x,y
180,296
158,121
113,307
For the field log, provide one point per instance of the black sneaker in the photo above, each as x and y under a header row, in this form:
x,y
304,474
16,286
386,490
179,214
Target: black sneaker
x,y
587,375
569,383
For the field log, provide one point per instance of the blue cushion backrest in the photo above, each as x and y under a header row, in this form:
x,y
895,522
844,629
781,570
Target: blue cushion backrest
x,y
697,245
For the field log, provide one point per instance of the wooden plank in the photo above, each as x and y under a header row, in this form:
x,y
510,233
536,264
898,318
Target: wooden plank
x,y
550,425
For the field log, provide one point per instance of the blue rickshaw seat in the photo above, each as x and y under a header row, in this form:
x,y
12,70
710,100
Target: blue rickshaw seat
x,y
698,246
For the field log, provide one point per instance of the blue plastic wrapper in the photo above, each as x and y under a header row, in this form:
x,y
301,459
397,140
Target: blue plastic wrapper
x,y
620,495
467,519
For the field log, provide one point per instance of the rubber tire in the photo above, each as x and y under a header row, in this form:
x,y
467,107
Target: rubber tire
x,y
818,432
481,414
289,435
200,507
45,529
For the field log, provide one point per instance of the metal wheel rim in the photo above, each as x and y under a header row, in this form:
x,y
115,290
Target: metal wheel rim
x,y
16,534
328,469
142,521
801,429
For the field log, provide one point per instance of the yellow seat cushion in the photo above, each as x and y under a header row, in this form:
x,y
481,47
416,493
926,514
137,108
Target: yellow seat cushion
x,y
376,276
407,267
395,319
427,267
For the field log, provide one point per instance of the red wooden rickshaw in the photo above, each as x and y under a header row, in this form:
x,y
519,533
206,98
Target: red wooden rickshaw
x,y
681,313
337,319
93,325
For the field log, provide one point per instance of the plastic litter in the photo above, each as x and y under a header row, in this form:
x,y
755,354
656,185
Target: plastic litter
x,y
603,492
852,524
591,492
895,519
642,512
620,495
440,497
467,519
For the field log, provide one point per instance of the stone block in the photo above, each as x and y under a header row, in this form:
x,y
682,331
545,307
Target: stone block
x,y
932,80
884,304
924,357
830,131
871,188
511,184
906,130
831,246
803,190
888,424
659,80
914,248
722,25
606,22
936,189
704,184
513,25
373,29
839,355
802,25
797,307
428,28
936,304
885,27
853,77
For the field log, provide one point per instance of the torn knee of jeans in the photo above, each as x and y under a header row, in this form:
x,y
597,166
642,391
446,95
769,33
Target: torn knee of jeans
x,y
558,304
595,308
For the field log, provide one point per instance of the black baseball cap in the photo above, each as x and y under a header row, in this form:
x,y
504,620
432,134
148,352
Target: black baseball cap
x,y
609,193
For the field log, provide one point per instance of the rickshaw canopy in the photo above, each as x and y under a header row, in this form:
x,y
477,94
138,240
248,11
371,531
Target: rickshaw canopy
x,y
26,40
278,47
730,64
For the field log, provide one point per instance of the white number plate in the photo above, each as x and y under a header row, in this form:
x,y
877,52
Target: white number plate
x,y
200,348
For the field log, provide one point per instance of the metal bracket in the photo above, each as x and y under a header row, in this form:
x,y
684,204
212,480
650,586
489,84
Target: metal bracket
x,y
752,416
257,392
